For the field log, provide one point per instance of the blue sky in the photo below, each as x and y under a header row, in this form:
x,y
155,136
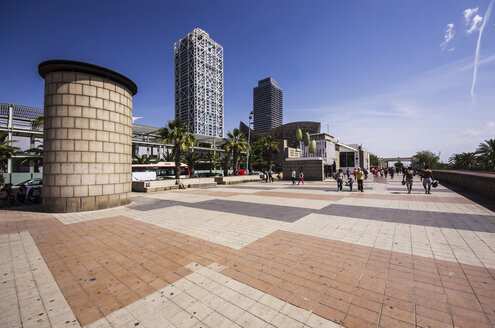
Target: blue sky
x,y
374,72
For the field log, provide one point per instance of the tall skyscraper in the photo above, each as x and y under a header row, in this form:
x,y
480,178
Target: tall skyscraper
x,y
198,65
267,105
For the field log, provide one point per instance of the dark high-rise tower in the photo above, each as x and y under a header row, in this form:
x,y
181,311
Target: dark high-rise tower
x,y
267,105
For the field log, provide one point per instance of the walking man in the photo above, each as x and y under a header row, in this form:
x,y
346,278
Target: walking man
x,y
340,179
293,176
408,178
360,179
427,179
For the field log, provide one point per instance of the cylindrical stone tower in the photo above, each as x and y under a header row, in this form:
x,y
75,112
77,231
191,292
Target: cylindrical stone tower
x,y
87,137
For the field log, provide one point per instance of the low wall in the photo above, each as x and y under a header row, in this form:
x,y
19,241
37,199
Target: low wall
x,y
313,168
161,185
237,179
480,183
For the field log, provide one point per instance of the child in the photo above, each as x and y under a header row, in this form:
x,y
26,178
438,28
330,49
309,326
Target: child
x,y
350,182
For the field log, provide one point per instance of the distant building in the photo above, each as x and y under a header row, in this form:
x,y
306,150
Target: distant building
x,y
267,105
198,66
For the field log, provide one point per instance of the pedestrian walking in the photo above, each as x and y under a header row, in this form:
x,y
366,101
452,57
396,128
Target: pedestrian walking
x,y
340,179
301,177
427,179
293,176
348,173
408,178
360,179
354,173
392,172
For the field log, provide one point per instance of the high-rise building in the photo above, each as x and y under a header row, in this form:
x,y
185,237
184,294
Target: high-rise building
x,y
198,66
267,105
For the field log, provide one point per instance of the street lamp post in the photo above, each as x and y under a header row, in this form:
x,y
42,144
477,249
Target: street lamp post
x,y
249,139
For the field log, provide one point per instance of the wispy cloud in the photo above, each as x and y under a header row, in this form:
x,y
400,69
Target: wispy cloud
x,y
486,130
478,45
475,23
448,36
468,13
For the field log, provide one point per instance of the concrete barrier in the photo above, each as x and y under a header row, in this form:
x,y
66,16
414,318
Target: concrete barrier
x,y
480,183
237,179
169,184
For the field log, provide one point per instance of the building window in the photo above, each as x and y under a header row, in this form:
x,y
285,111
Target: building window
x,y
347,159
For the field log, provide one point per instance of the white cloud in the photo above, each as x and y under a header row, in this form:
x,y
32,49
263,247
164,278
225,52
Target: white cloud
x,y
468,13
475,24
448,36
488,130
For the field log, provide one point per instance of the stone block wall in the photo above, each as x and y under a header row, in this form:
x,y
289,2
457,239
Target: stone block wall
x,y
313,168
87,143
479,183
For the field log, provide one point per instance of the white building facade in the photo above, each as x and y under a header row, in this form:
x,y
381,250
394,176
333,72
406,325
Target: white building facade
x,y
199,92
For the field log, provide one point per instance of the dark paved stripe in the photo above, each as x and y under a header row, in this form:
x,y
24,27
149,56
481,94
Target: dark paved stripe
x,y
483,223
272,212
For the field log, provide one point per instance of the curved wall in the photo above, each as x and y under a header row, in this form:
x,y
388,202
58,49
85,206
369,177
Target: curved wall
x,y
87,137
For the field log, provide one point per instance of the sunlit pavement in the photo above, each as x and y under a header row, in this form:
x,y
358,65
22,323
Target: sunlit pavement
x,y
254,255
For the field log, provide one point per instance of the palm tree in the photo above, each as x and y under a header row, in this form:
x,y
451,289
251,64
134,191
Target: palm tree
x,y
212,159
268,145
6,152
486,150
235,143
38,159
191,158
169,157
143,159
225,163
36,123
176,133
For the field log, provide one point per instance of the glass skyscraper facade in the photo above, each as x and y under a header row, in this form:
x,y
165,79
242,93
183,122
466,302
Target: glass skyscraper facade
x,y
267,105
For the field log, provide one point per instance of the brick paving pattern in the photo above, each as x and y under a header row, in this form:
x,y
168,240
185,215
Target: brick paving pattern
x,y
254,255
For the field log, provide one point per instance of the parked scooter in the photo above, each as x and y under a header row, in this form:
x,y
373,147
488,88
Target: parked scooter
x,y
33,194
7,198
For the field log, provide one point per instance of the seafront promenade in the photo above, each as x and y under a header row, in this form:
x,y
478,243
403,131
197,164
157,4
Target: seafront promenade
x,y
255,255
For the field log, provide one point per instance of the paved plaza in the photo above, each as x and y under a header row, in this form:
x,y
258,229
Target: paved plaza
x,y
255,255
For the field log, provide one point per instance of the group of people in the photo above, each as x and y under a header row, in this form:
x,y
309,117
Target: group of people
x,y
359,174
294,175
426,176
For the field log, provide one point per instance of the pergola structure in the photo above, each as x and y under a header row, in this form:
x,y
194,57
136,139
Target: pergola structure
x,y
16,121
383,162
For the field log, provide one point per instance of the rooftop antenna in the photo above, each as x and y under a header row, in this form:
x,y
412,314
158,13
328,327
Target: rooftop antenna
x,y
328,128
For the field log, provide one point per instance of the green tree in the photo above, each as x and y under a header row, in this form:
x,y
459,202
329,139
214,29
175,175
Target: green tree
x,y
225,163
212,159
373,159
267,146
6,152
235,143
486,152
428,158
176,133
399,165
191,158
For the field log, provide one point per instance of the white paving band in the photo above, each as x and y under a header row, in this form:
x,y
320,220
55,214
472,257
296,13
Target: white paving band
x,y
207,298
27,284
